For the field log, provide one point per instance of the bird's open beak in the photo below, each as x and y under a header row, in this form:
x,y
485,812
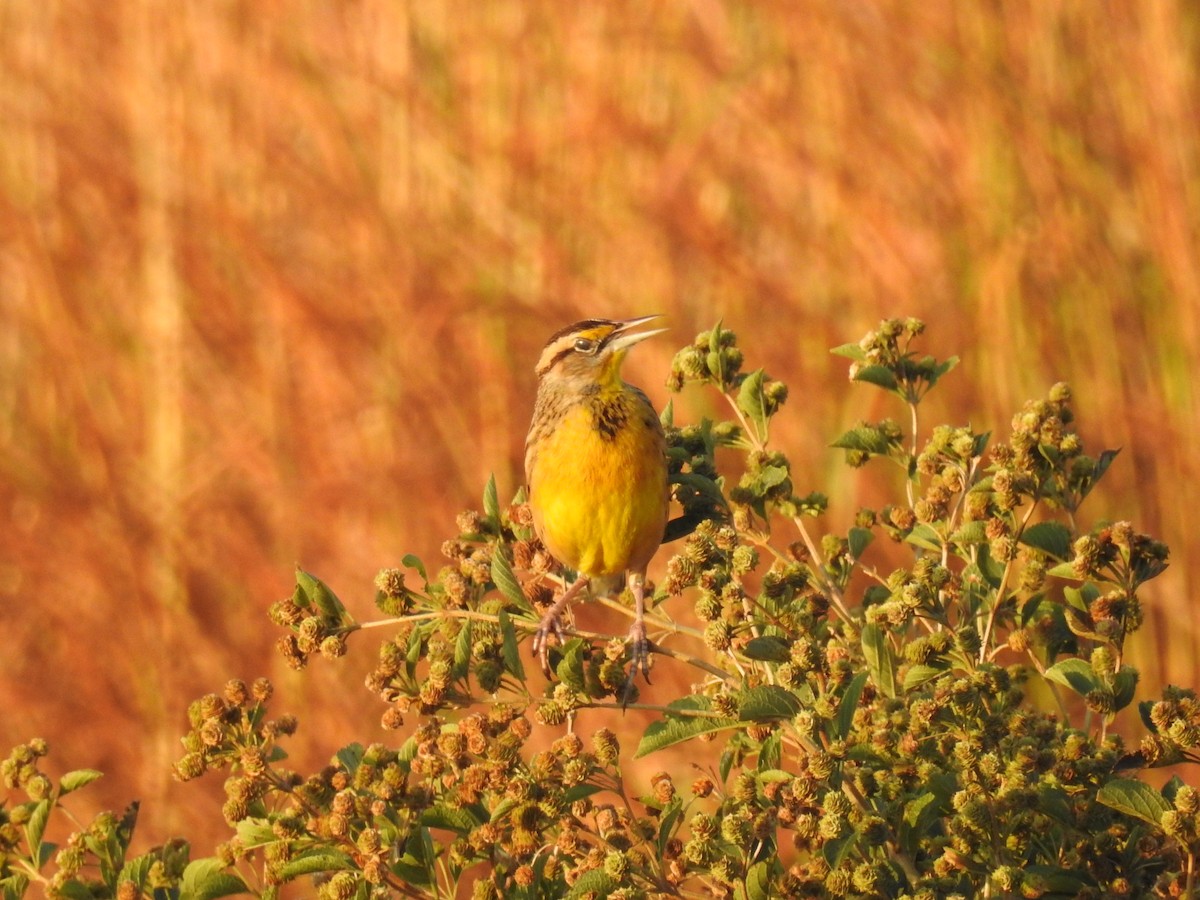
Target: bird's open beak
x,y
620,340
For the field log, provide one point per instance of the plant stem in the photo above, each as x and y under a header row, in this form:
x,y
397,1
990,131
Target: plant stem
x,y
835,593
1000,591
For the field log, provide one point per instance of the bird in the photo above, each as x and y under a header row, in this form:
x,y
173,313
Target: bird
x,y
596,472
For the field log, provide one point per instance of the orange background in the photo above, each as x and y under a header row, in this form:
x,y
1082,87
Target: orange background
x,y
273,278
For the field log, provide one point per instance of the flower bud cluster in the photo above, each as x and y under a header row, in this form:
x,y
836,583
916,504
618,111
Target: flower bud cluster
x,y
713,357
1119,555
231,730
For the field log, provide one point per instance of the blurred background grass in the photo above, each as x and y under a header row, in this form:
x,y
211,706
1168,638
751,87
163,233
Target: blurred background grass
x,y
273,279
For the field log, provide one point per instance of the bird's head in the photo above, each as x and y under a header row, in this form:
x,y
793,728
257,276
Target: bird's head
x,y
591,351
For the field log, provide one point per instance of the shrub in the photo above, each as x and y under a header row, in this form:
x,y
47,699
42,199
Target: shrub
x,y
937,728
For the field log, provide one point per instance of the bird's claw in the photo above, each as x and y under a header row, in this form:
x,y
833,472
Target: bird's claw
x,y
640,648
541,640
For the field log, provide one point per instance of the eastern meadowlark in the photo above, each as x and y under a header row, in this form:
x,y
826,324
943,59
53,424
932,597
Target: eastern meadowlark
x,y
595,464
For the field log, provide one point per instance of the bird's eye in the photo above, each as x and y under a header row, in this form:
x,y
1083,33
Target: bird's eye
x,y
583,345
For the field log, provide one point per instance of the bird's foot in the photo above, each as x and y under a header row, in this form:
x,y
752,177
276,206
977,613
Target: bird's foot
x,y
550,624
640,648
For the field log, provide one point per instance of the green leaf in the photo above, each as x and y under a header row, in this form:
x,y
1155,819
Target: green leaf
x,y
407,752
760,877
570,667
1081,624
1134,798
942,368
1053,538
317,860
1060,882
206,879
926,537
858,540
35,828
319,594
773,776
416,647
868,438
74,890
752,403
502,809
714,337
414,865
14,887
914,810
850,351
462,652
845,716
1144,708
491,502
1171,789
716,366
45,850
510,649
680,725
255,833
1063,570
596,883
725,765
577,792
701,484
137,869
1076,598
770,753
919,674
73,781
1053,801
1103,461
974,532
768,703
506,582
695,511
351,756
919,814
451,818
881,661
666,824
874,594
988,569
1075,674
300,598
837,849
1124,683
771,476
412,561
766,648
880,376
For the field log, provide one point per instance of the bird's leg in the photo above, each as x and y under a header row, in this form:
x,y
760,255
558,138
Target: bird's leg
x,y
639,644
550,622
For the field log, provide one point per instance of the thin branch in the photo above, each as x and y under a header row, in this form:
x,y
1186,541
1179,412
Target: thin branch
x,y
1000,591
835,593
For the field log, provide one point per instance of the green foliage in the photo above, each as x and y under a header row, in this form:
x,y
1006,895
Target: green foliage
x,y
92,860
864,698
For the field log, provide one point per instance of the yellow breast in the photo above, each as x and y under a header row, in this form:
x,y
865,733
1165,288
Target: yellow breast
x,y
598,487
